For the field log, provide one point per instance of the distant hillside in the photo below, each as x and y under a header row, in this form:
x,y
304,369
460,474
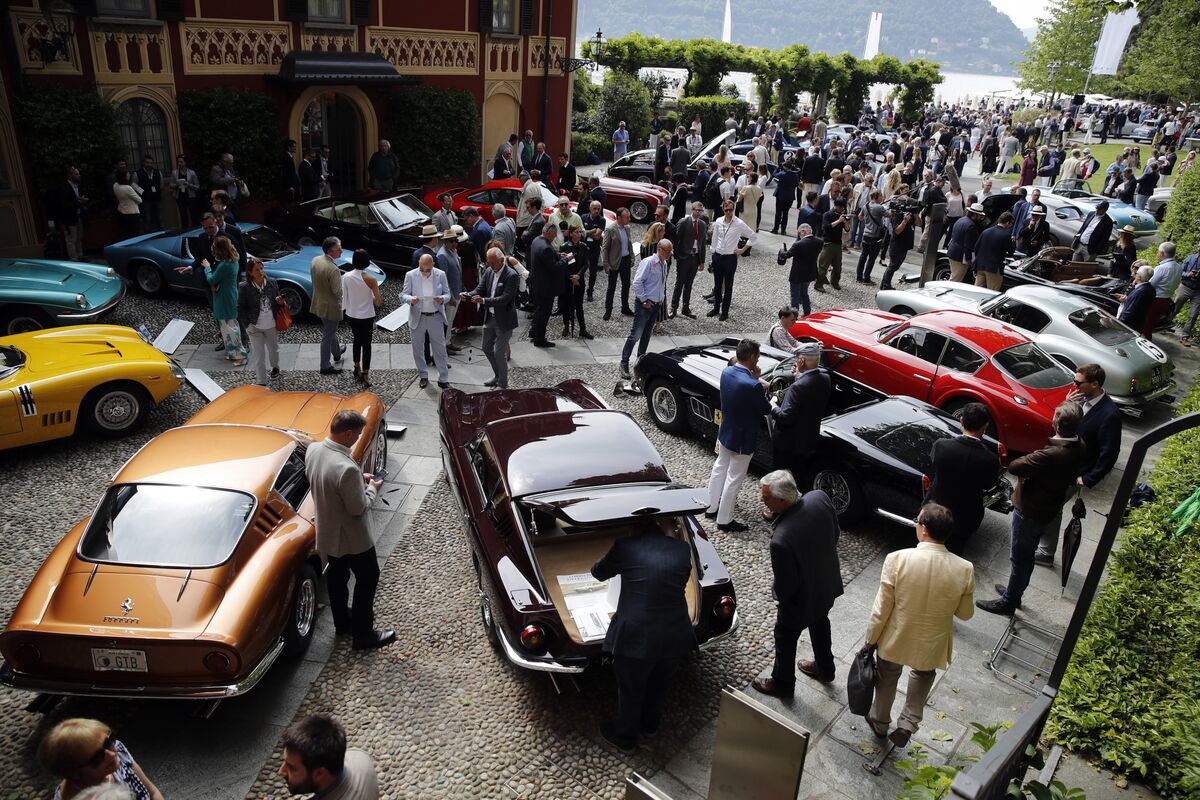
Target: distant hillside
x,y
962,35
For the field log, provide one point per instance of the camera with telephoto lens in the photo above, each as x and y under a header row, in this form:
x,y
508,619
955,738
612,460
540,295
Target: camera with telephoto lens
x,y
903,204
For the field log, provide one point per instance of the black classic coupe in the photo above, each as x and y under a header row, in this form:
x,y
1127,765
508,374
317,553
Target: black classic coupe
x,y
875,450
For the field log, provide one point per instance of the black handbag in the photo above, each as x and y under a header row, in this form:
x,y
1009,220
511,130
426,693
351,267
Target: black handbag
x,y
860,684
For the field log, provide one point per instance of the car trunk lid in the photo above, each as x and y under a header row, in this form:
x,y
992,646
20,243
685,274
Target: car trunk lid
x,y
116,601
608,505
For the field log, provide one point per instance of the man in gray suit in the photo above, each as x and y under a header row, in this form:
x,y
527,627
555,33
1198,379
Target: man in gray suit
x,y
427,290
326,302
497,295
343,495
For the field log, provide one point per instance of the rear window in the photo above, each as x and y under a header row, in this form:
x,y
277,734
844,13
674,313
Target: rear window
x,y
1102,327
154,525
1031,366
911,444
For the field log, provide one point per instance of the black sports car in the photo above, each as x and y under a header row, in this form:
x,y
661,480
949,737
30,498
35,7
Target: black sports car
x,y
387,225
875,450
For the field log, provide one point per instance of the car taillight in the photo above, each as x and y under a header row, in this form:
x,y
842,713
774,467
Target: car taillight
x,y
26,655
1133,385
218,662
926,483
1003,452
725,607
533,638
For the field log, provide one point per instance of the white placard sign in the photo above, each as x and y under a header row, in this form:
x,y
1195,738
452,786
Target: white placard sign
x,y
173,334
395,320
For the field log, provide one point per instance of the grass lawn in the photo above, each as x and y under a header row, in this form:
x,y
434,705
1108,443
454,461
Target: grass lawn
x,y
1104,153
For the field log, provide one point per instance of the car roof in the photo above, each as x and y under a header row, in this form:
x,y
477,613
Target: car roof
x,y
1048,297
570,449
989,334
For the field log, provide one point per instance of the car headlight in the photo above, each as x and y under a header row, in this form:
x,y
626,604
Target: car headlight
x,y
81,301
177,371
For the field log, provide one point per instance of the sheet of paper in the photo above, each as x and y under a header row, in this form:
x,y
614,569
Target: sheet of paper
x,y
395,320
205,385
171,336
587,601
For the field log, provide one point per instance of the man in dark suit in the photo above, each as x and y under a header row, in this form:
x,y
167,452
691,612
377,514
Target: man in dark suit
x,y
964,468
1044,479
546,278
804,253
66,204
691,250
807,580
149,179
743,405
542,163
496,294
797,419
503,167
289,179
1092,239
1101,435
651,633
567,175
309,176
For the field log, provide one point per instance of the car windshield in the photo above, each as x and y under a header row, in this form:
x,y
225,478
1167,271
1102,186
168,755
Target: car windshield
x,y
156,525
1102,326
911,444
266,244
1030,365
402,212
11,360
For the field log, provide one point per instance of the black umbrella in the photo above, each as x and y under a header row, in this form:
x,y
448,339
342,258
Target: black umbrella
x,y
1072,536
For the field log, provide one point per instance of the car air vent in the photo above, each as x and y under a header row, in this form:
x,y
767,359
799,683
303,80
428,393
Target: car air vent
x,y
56,418
267,519
699,408
503,523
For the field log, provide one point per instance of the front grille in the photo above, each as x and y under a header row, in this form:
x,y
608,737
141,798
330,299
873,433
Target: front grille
x,y
56,418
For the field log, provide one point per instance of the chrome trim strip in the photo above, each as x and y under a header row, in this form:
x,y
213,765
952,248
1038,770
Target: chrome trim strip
x,y
515,657
1153,394
732,627
888,515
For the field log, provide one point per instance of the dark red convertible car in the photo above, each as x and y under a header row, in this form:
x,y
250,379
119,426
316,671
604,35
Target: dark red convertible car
x,y
506,192
547,479
949,359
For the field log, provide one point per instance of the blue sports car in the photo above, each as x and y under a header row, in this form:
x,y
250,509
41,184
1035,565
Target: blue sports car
x,y
38,293
150,261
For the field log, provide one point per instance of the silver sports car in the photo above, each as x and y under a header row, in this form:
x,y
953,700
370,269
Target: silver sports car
x,y
1068,327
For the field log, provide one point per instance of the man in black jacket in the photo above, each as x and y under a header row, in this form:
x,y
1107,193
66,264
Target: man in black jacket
x,y
807,580
964,468
496,294
66,204
1092,239
691,250
309,174
804,253
289,178
567,175
149,179
1101,434
812,172
651,632
797,418
547,276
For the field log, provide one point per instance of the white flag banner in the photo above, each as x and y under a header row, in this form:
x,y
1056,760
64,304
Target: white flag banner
x,y
1111,46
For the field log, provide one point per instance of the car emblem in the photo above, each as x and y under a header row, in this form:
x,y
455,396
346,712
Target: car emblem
x,y
127,605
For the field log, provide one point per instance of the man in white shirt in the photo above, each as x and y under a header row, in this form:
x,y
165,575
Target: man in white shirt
x,y
1165,280
427,290
727,233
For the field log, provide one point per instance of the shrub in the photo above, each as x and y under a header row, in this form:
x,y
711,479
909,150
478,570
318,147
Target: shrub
x,y
624,97
70,126
1130,693
237,121
713,111
426,157
584,144
1182,223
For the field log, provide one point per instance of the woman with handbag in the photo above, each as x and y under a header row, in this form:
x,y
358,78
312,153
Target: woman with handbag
x,y
360,295
260,308
223,280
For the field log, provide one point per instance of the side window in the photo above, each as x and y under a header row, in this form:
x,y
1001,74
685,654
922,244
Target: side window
x,y
1021,316
483,198
485,470
920,342
292,483
961,358
507,197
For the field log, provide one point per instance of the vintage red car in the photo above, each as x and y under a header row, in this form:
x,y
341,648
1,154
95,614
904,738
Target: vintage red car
x,y
640,198
949,359
506,192
198,568
547,479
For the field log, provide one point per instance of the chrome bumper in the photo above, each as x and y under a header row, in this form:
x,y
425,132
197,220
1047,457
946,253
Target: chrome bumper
x,y
90,314
18,680
1150,396
721,636
513,655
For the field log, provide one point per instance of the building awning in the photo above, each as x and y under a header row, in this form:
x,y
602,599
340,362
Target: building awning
x,y
308,67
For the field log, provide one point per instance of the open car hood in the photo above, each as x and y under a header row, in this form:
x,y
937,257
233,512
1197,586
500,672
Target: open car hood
x,y
607,505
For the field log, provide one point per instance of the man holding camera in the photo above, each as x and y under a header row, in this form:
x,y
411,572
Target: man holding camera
x,y
829,265
650,292
901,214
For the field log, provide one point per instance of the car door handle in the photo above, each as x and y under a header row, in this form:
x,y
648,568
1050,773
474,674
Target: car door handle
x,y
921,375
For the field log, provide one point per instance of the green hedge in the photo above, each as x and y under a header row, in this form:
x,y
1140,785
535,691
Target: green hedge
x,y
713,111
1132,694
237,121
584,144
624,97
444,152
70,126
1182,223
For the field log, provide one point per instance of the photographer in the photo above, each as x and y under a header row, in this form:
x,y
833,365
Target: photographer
x,y
902,215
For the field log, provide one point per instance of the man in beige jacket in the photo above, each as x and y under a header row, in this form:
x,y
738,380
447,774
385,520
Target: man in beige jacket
x,y
327,302
920,592
343,495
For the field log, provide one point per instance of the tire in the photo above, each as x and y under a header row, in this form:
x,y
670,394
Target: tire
x,y
843,488
23,319
903,311
149,278
1161,213
665,403
485,607
297,301
942,272
640,210
306,241
115,409
380,458
643,179
302,616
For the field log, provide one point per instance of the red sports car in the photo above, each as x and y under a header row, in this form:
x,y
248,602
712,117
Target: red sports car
x,y
507,192
949,359
640,198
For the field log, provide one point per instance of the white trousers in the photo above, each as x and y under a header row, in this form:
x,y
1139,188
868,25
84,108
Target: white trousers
x,y
264,351
728,472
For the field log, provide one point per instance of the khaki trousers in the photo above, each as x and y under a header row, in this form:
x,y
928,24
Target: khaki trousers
x,y
958,271
920,683
992,280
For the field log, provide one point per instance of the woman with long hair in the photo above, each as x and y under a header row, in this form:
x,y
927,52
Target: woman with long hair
x,y
223,280
129,202
721,159
360,296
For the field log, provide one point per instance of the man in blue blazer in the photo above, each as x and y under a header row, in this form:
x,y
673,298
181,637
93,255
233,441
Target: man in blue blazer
x,y
496,294
743,405
1100,431
427,290
651,633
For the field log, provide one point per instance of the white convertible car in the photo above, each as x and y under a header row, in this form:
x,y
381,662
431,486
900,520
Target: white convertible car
x,y
1065,325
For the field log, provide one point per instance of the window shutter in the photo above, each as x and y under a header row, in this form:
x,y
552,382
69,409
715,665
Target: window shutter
x,y
485,16
360,12
527,19
170,10
295,10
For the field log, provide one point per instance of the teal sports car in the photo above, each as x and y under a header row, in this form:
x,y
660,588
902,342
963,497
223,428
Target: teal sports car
x,y
37,293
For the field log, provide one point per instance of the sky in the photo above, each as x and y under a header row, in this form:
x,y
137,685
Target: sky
x,y
1023,12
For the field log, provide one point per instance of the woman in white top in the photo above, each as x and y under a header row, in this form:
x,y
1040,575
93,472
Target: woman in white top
x,y
748,199
258,304
360,295
129,201
721,159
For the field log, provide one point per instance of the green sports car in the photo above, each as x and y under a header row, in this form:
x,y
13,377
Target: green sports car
x,y
38,293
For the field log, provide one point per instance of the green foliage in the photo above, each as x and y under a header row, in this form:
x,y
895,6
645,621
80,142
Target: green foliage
x,y
656,84
449,155
1130,693
1067,37
237,121
917,84
70,126
584,144
624,97
713,112
1182,223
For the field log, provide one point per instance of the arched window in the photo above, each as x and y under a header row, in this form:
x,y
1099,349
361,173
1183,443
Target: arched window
x,y
143,129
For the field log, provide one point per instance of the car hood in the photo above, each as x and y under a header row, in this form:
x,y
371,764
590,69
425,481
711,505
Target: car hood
x,y
39,278
621,184
156,601
857,322
708,362
59,350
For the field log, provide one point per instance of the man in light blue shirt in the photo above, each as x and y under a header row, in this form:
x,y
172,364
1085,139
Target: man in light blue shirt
x,y
620,141
650,292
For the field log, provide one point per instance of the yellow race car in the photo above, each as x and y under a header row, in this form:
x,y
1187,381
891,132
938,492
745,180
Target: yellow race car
x,y
103,377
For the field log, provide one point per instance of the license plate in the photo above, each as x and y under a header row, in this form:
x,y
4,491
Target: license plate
x,y
717,417
106,660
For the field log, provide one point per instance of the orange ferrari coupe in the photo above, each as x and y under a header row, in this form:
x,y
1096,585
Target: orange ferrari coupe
x,y
198,568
